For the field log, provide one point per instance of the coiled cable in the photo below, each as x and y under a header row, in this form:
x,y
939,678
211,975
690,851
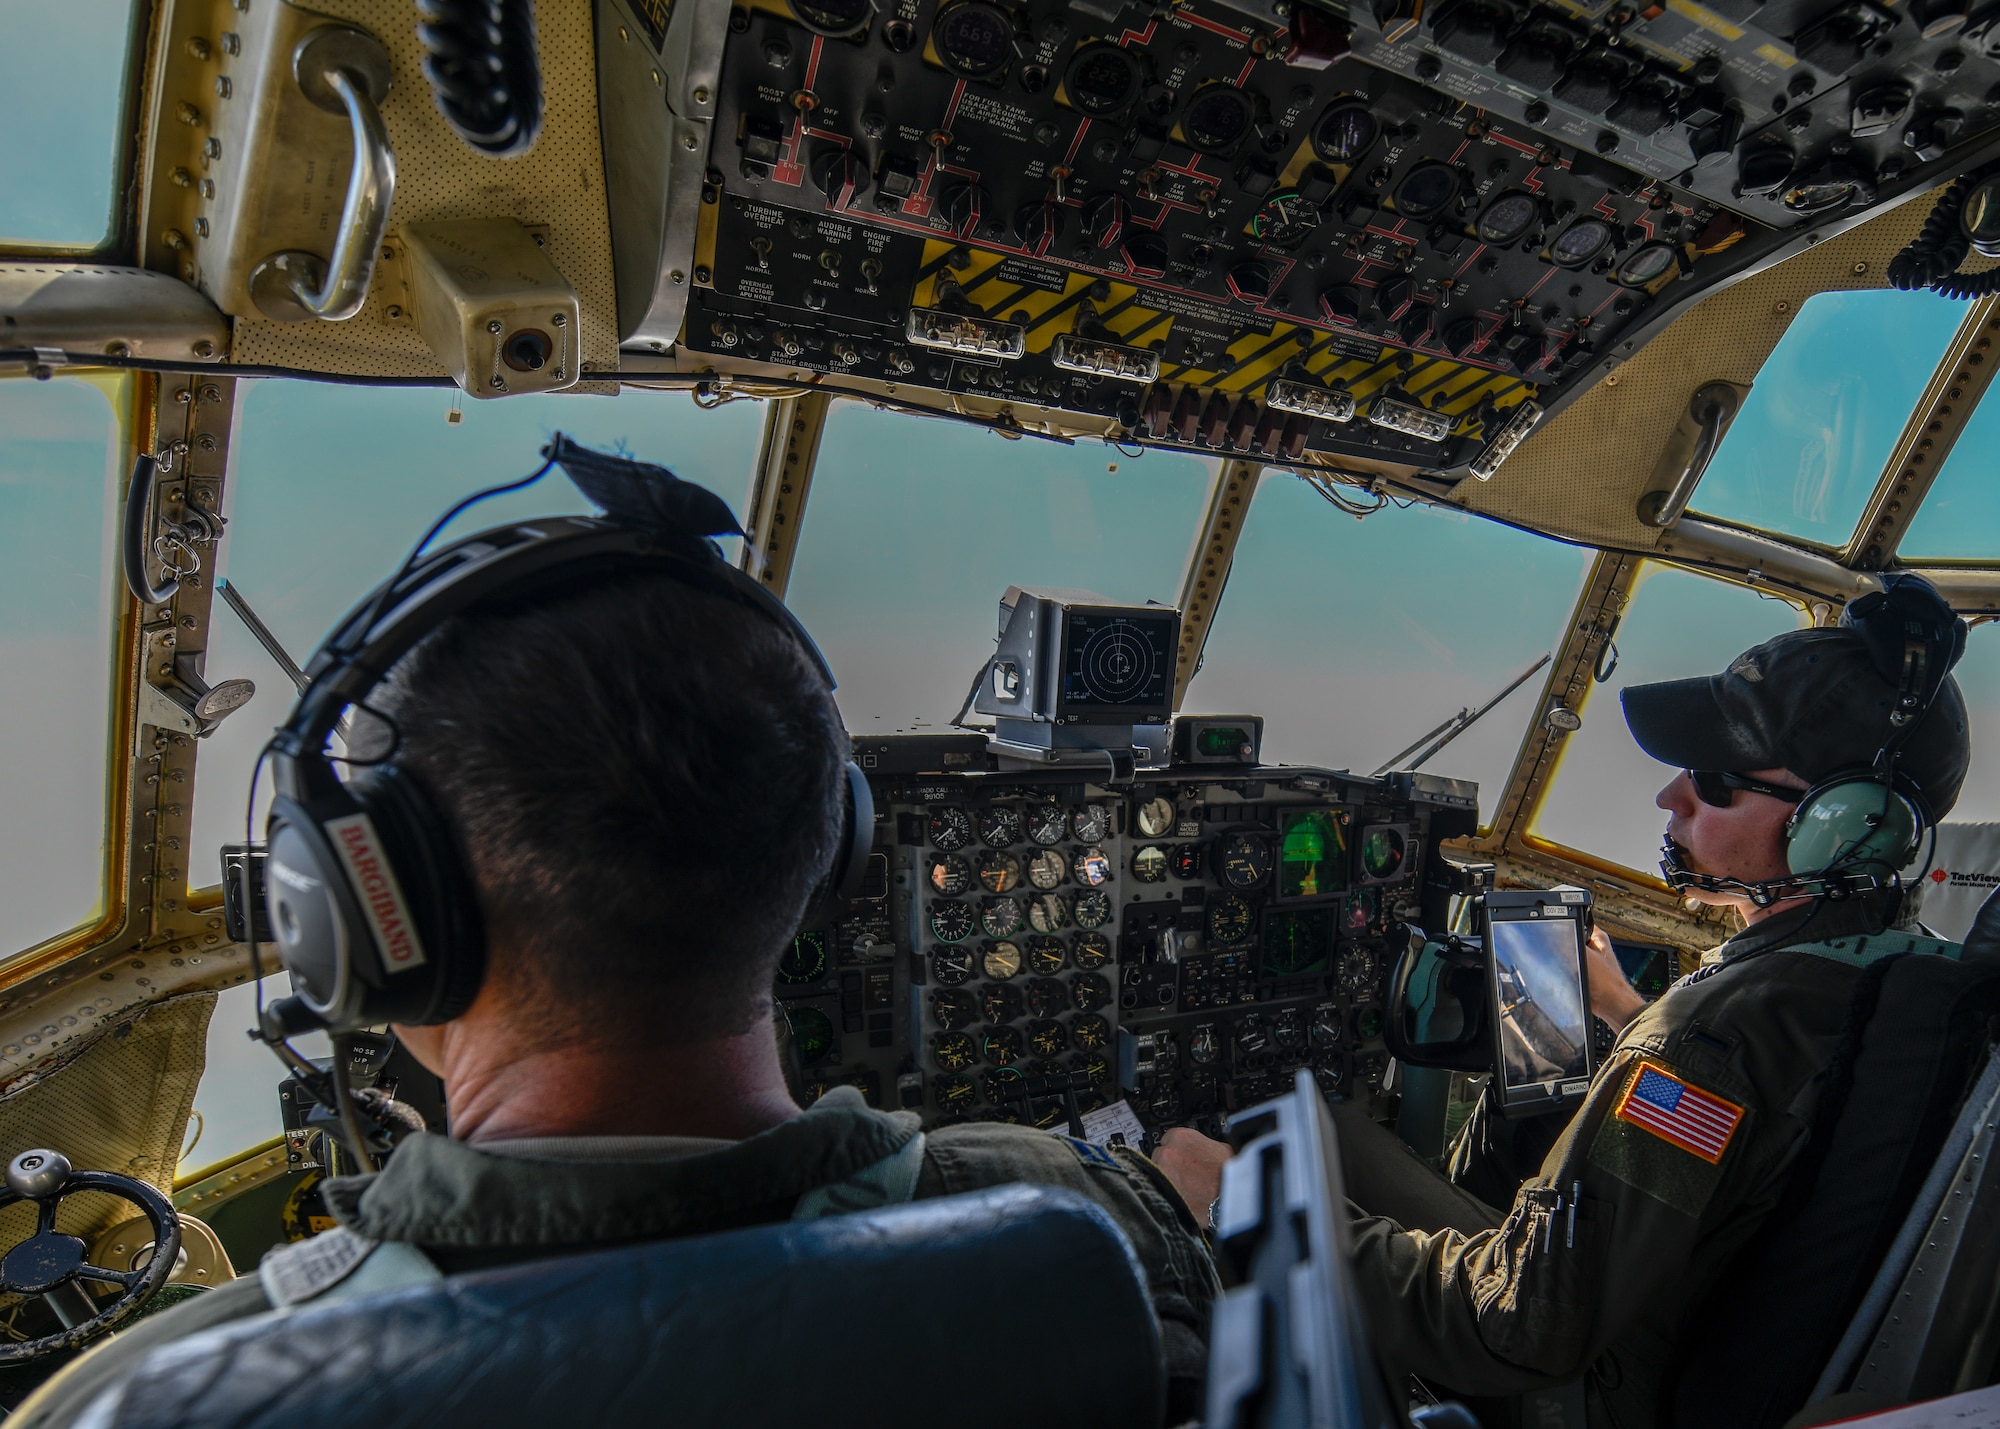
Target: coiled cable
x,y
479,56
1932,258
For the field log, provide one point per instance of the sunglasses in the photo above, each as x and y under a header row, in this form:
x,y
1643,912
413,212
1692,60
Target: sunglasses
x,y
1717,787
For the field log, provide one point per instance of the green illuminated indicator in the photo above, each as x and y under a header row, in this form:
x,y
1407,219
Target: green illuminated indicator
x,y
1312,854
1221,741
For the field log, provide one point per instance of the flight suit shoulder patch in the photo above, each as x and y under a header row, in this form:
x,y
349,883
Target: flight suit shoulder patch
x,y
1666,1137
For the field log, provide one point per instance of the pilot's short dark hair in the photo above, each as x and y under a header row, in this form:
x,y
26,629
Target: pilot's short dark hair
x,y
648,782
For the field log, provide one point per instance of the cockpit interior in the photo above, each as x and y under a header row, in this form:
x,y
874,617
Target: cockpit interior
x,y
1300,421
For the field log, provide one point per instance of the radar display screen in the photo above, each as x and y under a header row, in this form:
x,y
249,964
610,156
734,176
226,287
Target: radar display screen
x,y
1297,944
1118,665
1312,853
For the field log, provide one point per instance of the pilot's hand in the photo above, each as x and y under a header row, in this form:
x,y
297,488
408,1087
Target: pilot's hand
x,y
1193,1162
1612,996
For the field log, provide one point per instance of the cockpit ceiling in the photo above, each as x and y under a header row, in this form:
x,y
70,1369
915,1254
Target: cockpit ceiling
x,y
1367,242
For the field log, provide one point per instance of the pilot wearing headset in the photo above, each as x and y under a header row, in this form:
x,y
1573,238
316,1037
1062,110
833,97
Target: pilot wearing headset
x,y
618,776
1808,771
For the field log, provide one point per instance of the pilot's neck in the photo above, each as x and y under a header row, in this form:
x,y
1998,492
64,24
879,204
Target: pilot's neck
x,y
501,1086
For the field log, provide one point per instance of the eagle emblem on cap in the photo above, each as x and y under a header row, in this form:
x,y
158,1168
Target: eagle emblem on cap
x,y
1747,668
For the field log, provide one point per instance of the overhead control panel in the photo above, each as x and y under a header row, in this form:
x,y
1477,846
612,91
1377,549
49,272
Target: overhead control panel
x,y
1034,944
1391,233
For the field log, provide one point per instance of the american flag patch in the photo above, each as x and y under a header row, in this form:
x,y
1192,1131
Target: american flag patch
x,y
1660,1102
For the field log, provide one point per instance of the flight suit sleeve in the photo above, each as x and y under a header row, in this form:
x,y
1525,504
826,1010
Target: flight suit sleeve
x,y
1616,1214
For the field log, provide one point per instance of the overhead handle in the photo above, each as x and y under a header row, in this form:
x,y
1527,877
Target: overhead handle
x,y
342,70
1712,408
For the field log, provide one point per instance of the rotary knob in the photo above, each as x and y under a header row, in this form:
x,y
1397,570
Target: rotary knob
x,y
35,1174
1039,225
1144,255
1250,281
965,209
1104,219
841,177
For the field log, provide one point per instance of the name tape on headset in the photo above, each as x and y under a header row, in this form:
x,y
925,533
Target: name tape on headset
x,y
360,849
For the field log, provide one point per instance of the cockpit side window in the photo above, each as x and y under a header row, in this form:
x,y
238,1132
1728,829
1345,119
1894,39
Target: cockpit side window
x,y
66,70
1959,519
1676,625
1353,638
1808,447
914,530
329,486
61,454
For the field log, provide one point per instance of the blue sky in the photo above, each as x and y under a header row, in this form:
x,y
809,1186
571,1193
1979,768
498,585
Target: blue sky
x,y
62,68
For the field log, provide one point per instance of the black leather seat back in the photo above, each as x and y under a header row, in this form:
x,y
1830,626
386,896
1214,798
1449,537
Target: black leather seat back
x,y
1916,1039
1017,1306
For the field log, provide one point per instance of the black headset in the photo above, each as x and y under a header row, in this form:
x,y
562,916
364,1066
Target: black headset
x,y
372,904
1855,828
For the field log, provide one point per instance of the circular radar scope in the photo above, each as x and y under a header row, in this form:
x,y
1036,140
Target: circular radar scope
x,y
836,19
1508,218
1217,118
813,1037
1115,665
975,40
1427,191
1643,266
1382,852
1345,132
1102,79
1580,243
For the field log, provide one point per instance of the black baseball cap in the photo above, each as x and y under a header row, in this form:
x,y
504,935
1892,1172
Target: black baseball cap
x,y
1811,701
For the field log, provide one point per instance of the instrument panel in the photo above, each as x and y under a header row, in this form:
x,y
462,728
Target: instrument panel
x,y
1035,946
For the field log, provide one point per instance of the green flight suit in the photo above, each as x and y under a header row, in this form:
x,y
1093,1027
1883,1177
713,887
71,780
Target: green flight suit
x,y
1675,1179
466,1208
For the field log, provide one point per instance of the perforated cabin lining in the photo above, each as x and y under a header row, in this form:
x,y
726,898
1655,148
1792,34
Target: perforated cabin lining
x,y
121,1105
1581,477
560,183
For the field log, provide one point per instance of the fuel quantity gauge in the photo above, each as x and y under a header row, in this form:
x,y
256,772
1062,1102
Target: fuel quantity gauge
x,y
952,966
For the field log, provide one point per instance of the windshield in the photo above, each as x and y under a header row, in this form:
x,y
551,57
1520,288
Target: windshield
x,y
63,70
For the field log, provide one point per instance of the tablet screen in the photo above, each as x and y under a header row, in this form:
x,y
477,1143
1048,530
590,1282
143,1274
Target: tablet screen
x,y
1544,1025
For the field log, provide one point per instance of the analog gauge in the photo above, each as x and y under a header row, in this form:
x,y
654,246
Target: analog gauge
x,y
954,1051
813,1037
1047,869
1096,1067
1090,950
1090,1033
1371,1068
954,1009
1149,864
1090,823
1046,954
1644,265
1048,913
1047,1038
999,826
1090,992
1000,917
805,960
1230,919
1382,851
1001,960
1007,1091
1047,996
1427,191
1204,1046
954,1095
950,828
1357,972
1345,132
1000,1003
999,871
836,19
1047,823
1245,860
1093,910
1368,1023
948,874
975,40
1580,242
1217,118
1155,818
1002,1046
1187,861
1047,1112
952,966
1361,911
1289,1030
1102,79
1508,218
1331,1075
1091,866
1326,1026
951,922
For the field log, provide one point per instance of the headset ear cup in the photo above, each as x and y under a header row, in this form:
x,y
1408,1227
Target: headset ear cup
x,y
1852,822
437,882
850,861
